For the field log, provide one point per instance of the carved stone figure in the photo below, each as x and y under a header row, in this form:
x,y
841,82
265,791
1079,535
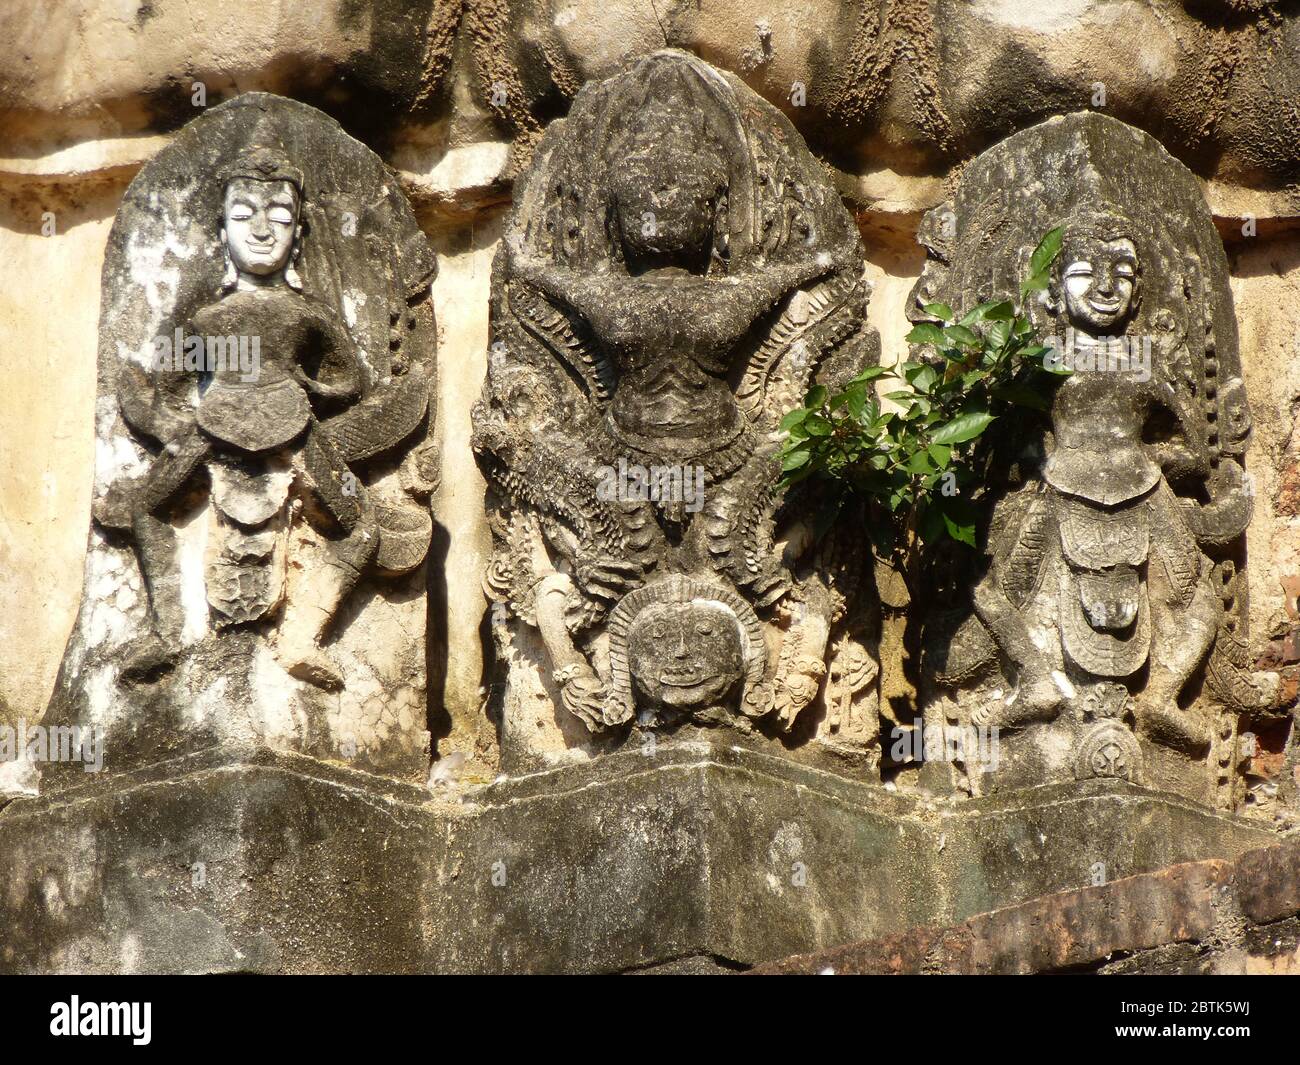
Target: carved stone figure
x,y
676,274
266,372
1111,578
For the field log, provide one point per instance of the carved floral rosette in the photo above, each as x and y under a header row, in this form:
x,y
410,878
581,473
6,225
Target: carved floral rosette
x,y
244,537
611,362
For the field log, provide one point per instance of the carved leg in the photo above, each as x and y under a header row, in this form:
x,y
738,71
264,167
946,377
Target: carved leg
x,y
314,602
580,689
316,597
1188,634
154,541
1037,696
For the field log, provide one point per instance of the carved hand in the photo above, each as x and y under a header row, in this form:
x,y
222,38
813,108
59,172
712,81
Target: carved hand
x,y
583,694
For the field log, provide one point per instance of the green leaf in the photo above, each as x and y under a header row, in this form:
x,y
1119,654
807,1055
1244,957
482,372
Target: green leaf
x,y
869,374
939,310
816,397
925,333
922,378
855,399
961,532
976,314
792,418
1046,252
999,333
959,334
793,477
964,427
941,453
1002,311
793,459
1033,283
818,425
919,463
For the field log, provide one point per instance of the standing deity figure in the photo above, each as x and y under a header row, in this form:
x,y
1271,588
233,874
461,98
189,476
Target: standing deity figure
x,y
1105,632
256,433
1104,521
675,275
264,453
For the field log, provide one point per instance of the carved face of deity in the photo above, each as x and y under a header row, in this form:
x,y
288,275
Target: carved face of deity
x,y
665,190
685,656
260,225
1098,283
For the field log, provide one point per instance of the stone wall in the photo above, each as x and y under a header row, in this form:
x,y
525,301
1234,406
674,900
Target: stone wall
x,y
895,100
86,97
1215,917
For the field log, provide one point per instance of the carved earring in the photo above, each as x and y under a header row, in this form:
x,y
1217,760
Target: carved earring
x,y
229,276
1052,299
291,276
722,245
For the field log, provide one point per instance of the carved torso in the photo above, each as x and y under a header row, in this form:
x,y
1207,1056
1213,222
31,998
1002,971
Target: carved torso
x,y
296,337
1097,423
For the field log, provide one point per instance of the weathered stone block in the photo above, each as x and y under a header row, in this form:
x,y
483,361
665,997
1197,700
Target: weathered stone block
x,y
1268,882
262,861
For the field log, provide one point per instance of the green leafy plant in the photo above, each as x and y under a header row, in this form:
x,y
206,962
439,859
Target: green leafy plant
x,y
907,438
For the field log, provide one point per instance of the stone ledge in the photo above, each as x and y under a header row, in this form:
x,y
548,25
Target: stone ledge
x,y
625,863
1200,903
1267,882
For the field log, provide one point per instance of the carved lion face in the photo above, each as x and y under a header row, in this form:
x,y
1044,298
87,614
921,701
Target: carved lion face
x,y
1098,282
260,225
685,656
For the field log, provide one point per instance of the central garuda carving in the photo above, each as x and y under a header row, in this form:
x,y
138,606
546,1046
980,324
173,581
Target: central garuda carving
x,y
676,273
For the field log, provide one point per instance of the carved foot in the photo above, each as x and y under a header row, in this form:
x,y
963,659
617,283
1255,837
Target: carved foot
x,y
148,658
1037,699
1171,727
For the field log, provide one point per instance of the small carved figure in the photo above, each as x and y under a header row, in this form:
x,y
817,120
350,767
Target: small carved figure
x,y
1107,593
263,429
264,453
1104,517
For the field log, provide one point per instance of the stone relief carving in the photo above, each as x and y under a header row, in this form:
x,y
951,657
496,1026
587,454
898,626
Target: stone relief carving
x,y
676,272
1111,595
264,450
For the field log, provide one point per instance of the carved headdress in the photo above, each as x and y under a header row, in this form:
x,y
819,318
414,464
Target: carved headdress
x,y
566,196
263,162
